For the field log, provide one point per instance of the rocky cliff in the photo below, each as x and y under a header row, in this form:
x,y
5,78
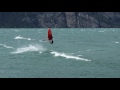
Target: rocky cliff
x,y
60,19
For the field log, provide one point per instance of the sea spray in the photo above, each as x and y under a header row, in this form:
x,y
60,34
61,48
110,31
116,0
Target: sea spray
x,y
29,48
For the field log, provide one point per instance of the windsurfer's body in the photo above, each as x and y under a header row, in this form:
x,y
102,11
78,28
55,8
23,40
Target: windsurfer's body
x,y
50,39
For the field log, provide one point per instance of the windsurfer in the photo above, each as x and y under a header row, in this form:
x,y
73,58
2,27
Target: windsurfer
x,y
50,40
50,37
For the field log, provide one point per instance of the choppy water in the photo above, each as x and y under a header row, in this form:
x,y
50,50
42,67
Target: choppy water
x,y
76,53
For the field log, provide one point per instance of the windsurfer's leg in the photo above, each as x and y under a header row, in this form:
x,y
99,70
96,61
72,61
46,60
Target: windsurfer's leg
x,y
52,42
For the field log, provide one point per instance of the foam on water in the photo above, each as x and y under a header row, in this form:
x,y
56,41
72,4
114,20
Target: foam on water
x,y
4,45
116,42
58,54
19,37
29,48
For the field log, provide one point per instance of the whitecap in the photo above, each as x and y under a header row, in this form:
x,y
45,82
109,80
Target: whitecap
x,y
56,54
19,37
29,48
4,45
116,42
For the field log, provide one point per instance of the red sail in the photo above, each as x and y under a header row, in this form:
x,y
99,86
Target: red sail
x,y
49,34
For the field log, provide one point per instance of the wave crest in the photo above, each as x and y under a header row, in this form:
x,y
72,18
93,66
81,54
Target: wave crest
x,y
56,54
19,37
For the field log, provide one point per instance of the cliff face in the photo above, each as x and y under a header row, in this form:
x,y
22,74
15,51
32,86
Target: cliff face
x,y
60,19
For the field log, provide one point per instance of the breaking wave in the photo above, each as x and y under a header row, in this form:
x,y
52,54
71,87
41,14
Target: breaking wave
x,y
19,37
4,45
29,48
58,54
